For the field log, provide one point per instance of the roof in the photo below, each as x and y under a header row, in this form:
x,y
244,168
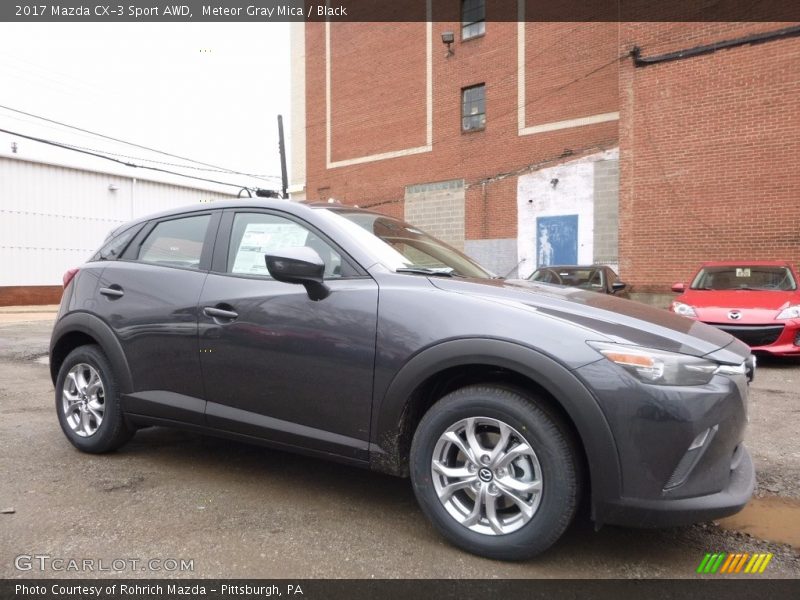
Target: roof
x,y
126,172
296,208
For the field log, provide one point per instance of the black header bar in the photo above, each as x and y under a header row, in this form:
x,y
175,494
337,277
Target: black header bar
x,y
716,588
263,11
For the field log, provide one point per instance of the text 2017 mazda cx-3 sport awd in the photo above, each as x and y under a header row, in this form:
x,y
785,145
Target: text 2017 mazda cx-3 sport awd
x,y
353,336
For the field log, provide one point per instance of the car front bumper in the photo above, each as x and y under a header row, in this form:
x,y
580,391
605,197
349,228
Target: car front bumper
x,y
782,337
638,512
681,452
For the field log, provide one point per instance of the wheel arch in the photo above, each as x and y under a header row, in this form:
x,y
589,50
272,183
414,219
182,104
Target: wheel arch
x,y
80,328
453,364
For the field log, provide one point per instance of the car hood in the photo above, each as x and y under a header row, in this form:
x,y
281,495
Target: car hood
x,y
728,299
609,317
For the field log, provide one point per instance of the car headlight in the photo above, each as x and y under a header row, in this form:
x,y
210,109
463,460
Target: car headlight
x,y
659,367
679,308
790,312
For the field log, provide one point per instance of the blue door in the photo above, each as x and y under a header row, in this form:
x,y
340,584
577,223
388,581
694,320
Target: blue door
x,y
557,240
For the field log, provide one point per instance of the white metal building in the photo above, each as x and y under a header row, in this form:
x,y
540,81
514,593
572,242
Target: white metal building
x,y
54,216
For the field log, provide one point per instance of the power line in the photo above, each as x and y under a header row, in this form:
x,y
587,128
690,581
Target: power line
x,y
121,162
28,121
113,139
158,162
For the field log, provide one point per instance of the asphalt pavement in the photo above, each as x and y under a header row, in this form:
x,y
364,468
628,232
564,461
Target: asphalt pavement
x,y
178,504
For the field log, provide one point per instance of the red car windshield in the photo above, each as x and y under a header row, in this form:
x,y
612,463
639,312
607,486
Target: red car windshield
x,y
744,277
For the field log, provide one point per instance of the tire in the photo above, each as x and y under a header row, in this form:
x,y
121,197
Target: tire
x,y
87,402
546,479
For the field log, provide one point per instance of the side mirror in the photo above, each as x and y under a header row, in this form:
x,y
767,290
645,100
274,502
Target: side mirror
x,y
618,286
679,288
299,265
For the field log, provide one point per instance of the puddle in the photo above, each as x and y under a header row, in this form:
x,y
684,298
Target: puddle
x,y
42,360
771,518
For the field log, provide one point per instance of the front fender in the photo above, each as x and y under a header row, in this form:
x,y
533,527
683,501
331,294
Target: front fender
x,y
575,399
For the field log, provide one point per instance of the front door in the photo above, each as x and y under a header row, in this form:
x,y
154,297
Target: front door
x,y
276,364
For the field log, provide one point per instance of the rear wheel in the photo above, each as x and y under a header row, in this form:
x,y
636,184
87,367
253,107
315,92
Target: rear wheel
x,y
495,472
87,402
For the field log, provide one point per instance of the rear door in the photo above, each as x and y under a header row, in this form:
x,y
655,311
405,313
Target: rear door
x,y
149,298
276,364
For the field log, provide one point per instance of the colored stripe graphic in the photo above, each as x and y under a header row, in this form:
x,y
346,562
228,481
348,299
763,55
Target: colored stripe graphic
x,y
751,566
738,562
710,564
764,564
718,562
726,564
703,563
736,558
741,562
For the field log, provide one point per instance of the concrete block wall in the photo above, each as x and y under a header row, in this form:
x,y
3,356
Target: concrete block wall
x,y
606,212
438,208
498,255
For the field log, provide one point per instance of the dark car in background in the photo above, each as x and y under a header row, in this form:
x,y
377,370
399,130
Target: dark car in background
x,y
755,301
597,278
352,336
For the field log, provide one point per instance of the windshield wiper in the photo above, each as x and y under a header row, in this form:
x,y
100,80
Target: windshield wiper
x,y
442,271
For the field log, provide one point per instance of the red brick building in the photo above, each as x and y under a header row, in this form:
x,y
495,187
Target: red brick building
x,y
709,147
528,142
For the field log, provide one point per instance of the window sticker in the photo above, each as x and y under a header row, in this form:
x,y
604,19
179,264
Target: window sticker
x,y
262,238
742,272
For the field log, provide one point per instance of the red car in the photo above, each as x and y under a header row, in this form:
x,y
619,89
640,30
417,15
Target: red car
x,y
755,301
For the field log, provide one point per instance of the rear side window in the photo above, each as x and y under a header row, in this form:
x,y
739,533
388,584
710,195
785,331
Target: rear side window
x,y
176,243
115,246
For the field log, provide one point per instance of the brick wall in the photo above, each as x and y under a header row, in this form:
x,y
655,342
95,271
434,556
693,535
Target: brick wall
x,y
709,145
709,150
378,91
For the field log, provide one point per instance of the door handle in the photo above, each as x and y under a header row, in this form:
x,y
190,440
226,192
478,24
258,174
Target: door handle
x,y
219,313
112,292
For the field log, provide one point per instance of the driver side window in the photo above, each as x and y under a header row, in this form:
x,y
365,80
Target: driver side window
x,y
256,234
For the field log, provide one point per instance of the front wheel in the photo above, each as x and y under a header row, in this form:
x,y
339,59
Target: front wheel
x,y
87,402
495,472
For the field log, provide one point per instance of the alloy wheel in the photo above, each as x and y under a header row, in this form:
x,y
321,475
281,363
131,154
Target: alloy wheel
x,y
83,400
487,476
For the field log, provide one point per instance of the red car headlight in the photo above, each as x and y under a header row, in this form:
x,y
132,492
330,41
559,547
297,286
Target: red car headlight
x,y
790,312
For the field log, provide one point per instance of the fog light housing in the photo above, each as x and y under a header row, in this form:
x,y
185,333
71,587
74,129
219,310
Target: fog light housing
x,y
689,460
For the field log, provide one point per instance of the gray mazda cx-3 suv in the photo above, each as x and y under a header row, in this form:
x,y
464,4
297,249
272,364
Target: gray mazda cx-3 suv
x,y
353,336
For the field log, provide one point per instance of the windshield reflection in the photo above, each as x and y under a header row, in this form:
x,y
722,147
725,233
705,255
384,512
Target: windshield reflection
x,y
404,248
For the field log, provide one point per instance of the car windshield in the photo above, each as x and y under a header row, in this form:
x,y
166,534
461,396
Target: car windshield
x,y
404,248
587,278
744,277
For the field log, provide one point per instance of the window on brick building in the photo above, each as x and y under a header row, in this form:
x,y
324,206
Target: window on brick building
x,y
473,108
473,18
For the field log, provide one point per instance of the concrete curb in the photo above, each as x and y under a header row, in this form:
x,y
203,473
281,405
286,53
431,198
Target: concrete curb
x,y
44,308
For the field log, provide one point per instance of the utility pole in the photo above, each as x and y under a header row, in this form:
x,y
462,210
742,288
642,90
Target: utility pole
x,y
282,149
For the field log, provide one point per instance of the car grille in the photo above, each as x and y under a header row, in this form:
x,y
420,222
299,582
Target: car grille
x,y
753,335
